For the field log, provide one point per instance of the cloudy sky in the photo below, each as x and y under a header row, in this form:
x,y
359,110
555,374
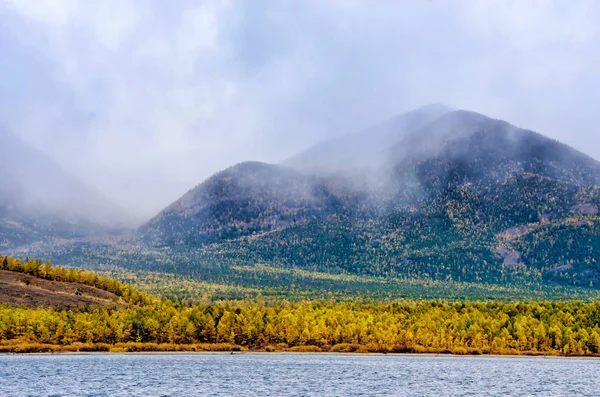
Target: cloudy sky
x,y
144,99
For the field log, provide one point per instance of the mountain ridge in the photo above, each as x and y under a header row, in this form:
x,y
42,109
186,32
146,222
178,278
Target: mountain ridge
x,y
437,207
463,200
40,200
373,140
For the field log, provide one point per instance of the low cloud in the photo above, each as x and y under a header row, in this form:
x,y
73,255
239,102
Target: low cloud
x,y
145,99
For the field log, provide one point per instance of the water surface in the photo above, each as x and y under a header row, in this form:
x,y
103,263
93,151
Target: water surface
x,y
295,375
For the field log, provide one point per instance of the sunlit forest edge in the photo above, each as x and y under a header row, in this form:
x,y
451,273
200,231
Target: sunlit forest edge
x,y
147,323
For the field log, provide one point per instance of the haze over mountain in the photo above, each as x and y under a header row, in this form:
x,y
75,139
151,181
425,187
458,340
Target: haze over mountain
x,y
453,195
144,99
367,149
40,200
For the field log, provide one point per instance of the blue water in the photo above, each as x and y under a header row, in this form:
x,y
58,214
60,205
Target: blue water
x,y
295,375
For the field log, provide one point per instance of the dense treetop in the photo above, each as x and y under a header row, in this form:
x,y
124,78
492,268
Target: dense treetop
x,y
567,328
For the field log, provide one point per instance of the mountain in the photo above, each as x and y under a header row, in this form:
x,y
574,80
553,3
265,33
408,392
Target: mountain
x,y
366,149
40,200
247,199
454,195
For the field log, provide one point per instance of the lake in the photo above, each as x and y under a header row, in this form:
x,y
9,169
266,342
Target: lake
x,y
295,375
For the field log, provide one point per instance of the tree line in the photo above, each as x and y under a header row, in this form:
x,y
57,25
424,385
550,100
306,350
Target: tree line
x,y
534,328
566,328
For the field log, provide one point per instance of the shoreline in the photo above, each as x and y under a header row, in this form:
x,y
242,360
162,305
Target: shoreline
x,y
290,353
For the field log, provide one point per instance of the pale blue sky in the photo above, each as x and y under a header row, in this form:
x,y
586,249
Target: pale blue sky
x,y
145,99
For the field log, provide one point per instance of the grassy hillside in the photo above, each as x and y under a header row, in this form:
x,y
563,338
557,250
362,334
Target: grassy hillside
x,y
32,283
25,290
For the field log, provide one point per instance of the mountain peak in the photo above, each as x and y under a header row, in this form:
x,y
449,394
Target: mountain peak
x,y
434,108
366,148
450,195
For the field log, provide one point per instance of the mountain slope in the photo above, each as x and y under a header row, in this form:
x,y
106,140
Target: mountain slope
x,y
462,197
40,200
18,289
246,199
365,149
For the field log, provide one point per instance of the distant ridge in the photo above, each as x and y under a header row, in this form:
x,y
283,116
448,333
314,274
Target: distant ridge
x,y
39,200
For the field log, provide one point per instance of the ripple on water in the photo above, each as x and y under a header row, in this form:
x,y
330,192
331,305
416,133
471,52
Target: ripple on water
x,y
295,375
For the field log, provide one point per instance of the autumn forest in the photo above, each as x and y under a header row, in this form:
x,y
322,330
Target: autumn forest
x,y
140,322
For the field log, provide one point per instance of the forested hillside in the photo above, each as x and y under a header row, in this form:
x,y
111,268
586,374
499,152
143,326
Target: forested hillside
x,y
150,324
433,203
458,196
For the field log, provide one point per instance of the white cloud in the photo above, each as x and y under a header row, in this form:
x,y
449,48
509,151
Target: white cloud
x,y
146,98
55,13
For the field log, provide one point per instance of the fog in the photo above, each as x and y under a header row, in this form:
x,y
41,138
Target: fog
x,y
145,99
